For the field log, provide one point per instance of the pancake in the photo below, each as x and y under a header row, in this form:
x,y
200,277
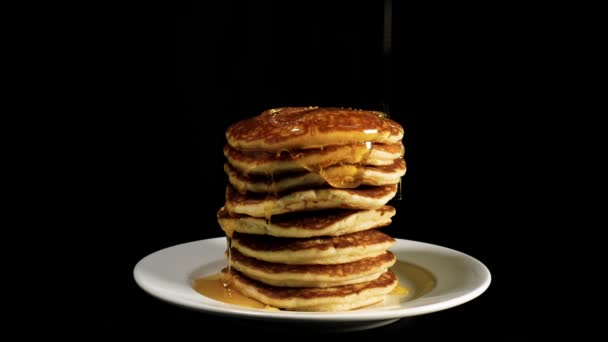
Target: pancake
x,y
267,163
292,128
262,205
305,224
339,298
339,176
319,250
258,183
275,274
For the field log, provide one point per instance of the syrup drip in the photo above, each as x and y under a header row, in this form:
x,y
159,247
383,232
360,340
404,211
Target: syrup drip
x,y
399,187
385,111
227,278
271,198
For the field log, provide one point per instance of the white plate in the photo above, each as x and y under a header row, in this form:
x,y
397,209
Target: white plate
x,y
168,275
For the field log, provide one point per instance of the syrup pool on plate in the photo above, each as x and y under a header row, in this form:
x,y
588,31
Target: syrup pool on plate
x,y
219,287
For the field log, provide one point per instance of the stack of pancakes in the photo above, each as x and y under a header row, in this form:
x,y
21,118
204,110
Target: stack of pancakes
x,y
308,186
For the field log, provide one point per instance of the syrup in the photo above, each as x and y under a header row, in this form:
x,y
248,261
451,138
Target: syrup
x,y
333,170
220,288
400,291
226,279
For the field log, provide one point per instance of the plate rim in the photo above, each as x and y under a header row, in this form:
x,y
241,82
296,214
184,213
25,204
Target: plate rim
x,y
223,309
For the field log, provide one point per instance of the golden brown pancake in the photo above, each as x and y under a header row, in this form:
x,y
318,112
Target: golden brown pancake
x,y
312,275
272,163
338,298
307,187
266,184
324,250
311,127
262,205
306,224
338,176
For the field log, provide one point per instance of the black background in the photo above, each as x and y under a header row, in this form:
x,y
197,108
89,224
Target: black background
x,y
459,79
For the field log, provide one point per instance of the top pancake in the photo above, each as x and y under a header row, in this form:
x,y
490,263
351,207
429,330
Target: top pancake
x,y
291,128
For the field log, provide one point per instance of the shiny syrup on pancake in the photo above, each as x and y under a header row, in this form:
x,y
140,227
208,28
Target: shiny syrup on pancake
x,y
293,122
348,176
